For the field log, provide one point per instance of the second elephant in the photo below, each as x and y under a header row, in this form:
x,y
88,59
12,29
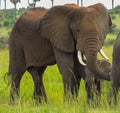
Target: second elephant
x,y
115,72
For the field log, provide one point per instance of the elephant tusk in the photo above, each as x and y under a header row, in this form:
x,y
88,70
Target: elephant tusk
x,y
103,54
80,58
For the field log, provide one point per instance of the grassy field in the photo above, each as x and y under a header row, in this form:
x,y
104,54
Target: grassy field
x,y
54,90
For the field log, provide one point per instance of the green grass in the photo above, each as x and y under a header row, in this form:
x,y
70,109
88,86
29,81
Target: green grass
x,y
54,90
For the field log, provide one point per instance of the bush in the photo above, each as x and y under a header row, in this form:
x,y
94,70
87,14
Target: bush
x,y
113,17
109,42
6,23
112,28
0,25
3,42
116,10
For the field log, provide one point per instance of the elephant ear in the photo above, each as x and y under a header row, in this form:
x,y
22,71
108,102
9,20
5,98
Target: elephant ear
x,y
54,26
104,20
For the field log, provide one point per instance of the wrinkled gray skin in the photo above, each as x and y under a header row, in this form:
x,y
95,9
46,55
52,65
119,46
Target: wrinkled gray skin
x,y
41,38
115,72
94,85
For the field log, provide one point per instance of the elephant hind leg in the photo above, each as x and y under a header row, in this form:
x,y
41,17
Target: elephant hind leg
x,y
37,75
14,92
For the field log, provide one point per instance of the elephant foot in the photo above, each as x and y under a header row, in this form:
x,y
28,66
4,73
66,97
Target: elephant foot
x,y
14,95
40,98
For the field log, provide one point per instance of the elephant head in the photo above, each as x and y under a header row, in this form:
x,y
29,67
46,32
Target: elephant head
x,y
81,29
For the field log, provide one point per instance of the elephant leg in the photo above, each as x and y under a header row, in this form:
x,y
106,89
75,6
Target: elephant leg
x,y
79,71
14,92
17,67
78,80
113,95
37,74
89,92
98,88
89,85
65,64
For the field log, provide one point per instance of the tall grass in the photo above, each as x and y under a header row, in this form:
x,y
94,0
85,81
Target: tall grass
x,y
54,90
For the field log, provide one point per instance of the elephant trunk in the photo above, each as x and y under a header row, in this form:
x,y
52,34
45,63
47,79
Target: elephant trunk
x,y
92,65
90,51
91,58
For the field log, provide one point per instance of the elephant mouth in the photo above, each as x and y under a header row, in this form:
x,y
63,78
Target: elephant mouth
x,y
80,56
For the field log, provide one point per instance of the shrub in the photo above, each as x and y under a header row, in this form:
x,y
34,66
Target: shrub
x,y
113,17
109,42
0,25
116,10
112,28
6,23
3,42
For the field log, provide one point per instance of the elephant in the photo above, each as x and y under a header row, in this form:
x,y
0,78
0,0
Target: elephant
x,y
93,85
63,35
115,72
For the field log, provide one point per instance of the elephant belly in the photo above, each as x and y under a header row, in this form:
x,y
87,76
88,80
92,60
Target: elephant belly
x,y
38,52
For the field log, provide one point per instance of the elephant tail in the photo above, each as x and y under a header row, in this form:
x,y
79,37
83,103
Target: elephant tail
x,y
7,78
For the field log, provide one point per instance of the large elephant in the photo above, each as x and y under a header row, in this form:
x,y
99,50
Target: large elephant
x,y
94,85
115,72
60,36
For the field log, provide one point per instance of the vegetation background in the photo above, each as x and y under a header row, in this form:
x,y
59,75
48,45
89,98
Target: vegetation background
x,y
52,78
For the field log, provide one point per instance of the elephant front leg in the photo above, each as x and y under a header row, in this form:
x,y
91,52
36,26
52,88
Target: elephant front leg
x,y
89,92
65,64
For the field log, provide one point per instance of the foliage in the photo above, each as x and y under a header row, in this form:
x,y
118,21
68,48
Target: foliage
x,y
33,4
6,24
14,1
3,43
36,0
109,40
115,10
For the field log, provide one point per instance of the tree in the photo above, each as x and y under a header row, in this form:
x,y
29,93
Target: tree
x,y
0,4
77,2
52,2
33,4
5,4
15,3
81,2
112,4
